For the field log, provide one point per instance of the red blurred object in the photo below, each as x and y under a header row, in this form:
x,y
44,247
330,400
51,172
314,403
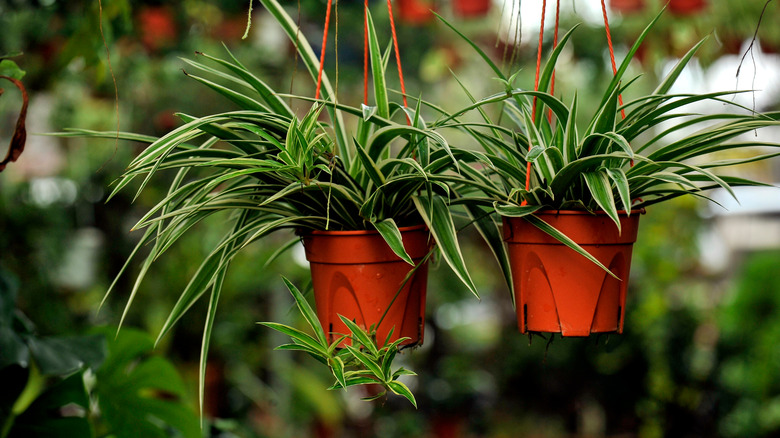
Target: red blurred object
x,y
686,7
627,6
415,11
471,8
157,28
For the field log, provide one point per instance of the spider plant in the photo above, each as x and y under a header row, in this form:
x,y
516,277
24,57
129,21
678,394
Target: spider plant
x,y
626,157
364,362
273,170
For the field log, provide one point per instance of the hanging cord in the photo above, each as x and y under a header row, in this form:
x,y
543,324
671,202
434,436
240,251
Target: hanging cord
x,y
336,53
322,53
536,88
555,45
398,60
612,59
611,52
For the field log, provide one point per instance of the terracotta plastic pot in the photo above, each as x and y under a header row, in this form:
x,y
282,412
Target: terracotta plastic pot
x,y
471,8
627,6
415,11
357,275
686,7
559,291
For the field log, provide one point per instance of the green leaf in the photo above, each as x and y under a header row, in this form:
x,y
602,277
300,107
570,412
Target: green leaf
x,y
337,367
392,235
368,111
439,220
57,356
491,234
360,335
298,336
476,48
618,176
311,61
369,166
142,395
11,69
45,417
308,313
368,362
557,235
403,390
601,190
516,210
276,104
377,71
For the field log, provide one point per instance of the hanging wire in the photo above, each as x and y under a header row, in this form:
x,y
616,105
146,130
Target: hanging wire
x,y
322,52
555,44
611,52
398,59
336,53
536,88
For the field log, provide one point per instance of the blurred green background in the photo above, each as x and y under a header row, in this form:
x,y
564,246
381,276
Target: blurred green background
x,y
700,355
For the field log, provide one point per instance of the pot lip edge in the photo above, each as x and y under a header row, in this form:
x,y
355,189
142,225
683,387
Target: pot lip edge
x,y
554,212
412,228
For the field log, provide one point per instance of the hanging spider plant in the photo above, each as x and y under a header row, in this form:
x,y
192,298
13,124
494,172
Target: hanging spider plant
x,y
627,157
273,170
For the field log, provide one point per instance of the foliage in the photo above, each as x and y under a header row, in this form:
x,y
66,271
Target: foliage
x,y
29,405
45,393
749,326
140,394
363,362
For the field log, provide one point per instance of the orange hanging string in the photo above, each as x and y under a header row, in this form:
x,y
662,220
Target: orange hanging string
x,y
612,58
611,52
322,53
555,44
365,52
398,58
536,88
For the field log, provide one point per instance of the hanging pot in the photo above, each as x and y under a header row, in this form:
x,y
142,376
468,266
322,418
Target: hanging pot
x,y
627,6
558,290
357,275
471,8
415,11
686,7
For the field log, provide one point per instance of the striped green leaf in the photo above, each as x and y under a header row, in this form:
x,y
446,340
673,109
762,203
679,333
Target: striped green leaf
x,y
392,235
439,220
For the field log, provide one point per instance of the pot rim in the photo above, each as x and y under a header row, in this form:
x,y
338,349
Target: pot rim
x,y
420,227
552,211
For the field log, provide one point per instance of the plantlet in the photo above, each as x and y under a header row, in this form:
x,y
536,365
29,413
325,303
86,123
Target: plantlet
x,y
364,362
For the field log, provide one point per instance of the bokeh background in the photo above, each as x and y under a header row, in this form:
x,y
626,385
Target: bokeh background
x,y
700,355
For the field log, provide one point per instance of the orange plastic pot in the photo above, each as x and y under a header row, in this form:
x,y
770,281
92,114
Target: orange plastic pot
x,y
357,275
559,291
